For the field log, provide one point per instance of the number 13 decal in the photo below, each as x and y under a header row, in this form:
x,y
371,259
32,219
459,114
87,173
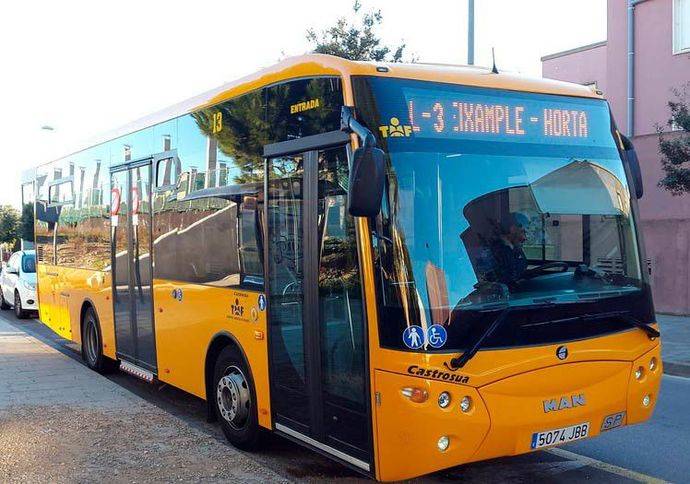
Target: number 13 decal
x,y
217,122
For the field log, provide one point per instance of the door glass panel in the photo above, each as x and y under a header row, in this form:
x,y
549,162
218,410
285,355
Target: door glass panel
x,y
286,275
120,263
141,263
340,309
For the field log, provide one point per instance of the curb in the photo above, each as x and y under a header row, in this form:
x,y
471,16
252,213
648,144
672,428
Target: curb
x,y
677,369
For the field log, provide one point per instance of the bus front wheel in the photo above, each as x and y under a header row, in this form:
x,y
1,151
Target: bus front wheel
x,y
235,400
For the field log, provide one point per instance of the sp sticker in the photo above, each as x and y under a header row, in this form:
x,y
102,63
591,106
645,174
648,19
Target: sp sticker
x,y
436,335
395,129
613,421
413,337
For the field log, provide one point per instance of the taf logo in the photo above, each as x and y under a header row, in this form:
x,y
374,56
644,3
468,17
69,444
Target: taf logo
x,y
237,309
395,130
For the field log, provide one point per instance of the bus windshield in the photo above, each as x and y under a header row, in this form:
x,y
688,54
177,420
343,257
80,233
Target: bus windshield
x,y
497,198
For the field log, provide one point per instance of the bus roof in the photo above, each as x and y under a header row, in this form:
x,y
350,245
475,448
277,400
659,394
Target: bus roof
x,y
310,65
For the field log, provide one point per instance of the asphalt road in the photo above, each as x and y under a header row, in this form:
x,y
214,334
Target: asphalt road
x,y
657,449
660,447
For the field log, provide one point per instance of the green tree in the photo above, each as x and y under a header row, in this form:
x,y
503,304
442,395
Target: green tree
x,y
26,224
674,147
9,223
357,40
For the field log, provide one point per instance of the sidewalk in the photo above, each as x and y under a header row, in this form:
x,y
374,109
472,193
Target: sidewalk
x,y
61,422
675,343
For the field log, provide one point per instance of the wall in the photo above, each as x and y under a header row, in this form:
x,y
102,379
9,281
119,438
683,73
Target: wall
x,y
582,66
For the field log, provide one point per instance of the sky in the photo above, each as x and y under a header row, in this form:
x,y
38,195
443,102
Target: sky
x,y
87,67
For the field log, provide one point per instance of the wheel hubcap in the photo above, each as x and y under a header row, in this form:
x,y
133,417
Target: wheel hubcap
x,y
233,397
91,342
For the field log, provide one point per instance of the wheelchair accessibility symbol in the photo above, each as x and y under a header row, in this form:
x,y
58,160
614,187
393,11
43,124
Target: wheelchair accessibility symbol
x,y
436,335
413,337
262,302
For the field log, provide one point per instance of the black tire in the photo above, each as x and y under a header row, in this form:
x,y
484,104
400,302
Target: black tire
x,y
92,344
18,310
241,428
3,303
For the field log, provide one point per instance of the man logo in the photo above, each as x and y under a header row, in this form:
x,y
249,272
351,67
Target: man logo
x,y
562,403
562,352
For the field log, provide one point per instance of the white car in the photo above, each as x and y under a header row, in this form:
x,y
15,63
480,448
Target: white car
x,y
18,283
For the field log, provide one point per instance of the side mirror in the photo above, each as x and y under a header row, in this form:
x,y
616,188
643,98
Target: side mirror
x,y
368,171
367,178
633,163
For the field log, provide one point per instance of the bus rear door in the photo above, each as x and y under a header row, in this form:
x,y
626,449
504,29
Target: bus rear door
x,y
131,263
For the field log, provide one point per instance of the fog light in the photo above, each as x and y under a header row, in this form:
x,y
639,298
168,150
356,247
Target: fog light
x,y
465,404
443,443
444,399
639,373
646,400
652,364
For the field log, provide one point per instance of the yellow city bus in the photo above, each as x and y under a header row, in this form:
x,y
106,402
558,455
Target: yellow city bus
x,y
404,267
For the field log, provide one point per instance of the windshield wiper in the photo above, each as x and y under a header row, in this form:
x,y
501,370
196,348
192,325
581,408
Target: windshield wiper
x,y
461,360
626,317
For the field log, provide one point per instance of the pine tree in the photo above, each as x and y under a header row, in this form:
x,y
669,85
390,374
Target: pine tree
x,y
357,40
674,147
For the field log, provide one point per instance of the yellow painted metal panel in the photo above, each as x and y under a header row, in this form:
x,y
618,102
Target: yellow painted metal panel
x,y
186,326
62,292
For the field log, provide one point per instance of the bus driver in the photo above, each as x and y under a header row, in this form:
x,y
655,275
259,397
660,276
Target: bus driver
x,y
504,260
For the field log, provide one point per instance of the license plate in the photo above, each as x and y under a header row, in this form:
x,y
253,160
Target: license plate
x,y
560,436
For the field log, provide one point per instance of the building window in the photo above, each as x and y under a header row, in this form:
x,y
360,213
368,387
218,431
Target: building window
x,y
681,26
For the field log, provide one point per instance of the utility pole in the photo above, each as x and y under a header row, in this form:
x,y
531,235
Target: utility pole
x,y
470,32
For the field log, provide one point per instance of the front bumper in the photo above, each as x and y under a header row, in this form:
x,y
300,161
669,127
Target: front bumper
x,y
29,299
506,413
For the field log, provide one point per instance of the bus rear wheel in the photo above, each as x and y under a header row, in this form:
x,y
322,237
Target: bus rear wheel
x,y
235,400
92,344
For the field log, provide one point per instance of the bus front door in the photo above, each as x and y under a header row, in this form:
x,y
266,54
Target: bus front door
x,y
131,263
319,376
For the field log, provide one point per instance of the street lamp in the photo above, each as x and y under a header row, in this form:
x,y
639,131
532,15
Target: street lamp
x,y
470,32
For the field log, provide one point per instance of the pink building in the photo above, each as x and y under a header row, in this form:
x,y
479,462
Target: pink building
x,y
659,41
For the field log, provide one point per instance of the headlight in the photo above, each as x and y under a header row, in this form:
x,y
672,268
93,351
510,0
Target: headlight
x,y
29,286
444,399
466,404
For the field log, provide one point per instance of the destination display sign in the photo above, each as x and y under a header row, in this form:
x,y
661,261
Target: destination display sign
x,y
460,112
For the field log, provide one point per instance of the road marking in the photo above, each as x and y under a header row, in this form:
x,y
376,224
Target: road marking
x,y
613,469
